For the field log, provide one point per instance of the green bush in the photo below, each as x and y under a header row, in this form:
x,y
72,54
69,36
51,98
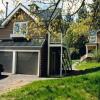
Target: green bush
x,y
97,55
74,54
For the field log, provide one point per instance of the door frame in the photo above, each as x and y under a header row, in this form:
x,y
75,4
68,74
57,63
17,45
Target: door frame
x,y
14,58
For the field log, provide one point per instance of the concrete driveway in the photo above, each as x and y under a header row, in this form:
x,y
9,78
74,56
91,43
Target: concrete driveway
x,y
9,81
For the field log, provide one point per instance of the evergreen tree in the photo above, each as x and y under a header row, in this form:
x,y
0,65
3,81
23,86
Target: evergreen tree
x,y
95,11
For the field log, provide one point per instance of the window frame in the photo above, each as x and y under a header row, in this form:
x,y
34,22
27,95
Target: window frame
x,y
20,23
94,36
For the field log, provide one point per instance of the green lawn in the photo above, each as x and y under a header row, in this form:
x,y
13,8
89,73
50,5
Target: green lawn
x,y
74,61
82,87
87,65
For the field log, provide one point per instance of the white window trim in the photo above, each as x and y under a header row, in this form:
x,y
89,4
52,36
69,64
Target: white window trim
x,y
20,34
95,38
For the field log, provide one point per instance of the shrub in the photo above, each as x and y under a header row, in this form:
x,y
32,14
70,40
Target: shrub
x,y
75,54
97,55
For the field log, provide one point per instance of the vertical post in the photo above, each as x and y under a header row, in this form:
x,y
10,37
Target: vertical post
x,y
86,50
38,73
48,54
61,57
97,49
14,63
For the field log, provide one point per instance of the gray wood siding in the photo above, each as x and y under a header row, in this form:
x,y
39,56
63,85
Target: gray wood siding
x,y
21,16
44,59
5,32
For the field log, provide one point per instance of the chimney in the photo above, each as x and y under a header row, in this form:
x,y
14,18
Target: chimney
x,y
6,9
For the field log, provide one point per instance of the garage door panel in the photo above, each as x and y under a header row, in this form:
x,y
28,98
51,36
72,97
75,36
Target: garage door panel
x,y
27,63
6,61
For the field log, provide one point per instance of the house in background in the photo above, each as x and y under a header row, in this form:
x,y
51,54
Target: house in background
x,y
41,56
94,42
93,45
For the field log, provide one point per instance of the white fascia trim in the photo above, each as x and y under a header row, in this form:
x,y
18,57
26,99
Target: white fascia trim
x,y
55,45
16,9
91,45
23,46
20,50
17,35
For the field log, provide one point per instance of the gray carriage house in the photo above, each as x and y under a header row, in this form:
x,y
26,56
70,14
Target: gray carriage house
x,y
40,56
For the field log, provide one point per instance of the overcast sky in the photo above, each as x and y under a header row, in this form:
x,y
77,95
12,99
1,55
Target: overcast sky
x,y
11,6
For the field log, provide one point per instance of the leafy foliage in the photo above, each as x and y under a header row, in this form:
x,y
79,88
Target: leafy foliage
x,y
78,29
80,44
96,54
82,13
95,14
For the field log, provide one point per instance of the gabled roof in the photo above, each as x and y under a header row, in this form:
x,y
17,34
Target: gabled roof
x,y
20,6
44,14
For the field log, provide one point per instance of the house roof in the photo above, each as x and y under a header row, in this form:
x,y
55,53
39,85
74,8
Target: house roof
x,y
44,14
20,6
33,43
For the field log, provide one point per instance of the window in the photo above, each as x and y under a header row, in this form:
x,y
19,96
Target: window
x,y
20,28
93,39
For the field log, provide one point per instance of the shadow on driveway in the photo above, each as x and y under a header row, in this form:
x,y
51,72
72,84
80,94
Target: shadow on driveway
x,y
3,76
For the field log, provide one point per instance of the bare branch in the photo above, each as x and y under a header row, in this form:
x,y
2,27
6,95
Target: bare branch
x,y
78,8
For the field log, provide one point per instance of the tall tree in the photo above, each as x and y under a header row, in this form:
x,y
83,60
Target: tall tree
x,y
95,11
82,13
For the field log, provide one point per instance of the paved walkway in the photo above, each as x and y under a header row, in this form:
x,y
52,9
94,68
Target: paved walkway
x,y
74,65
15,81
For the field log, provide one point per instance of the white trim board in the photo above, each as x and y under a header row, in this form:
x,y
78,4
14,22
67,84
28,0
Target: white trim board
x,y
20,50
23,46
20,6
55,45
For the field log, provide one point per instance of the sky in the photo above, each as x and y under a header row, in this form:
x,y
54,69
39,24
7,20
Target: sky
x,y
11,6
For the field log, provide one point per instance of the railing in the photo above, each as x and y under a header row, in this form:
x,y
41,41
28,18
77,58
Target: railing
x,y
67,62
